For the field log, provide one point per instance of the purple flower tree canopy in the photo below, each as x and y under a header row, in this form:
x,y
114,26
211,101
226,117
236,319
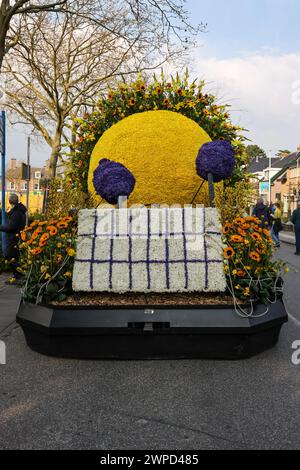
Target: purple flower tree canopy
x,y
112,180
216,157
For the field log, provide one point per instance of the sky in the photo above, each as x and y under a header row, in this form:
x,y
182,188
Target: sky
x,y
250,58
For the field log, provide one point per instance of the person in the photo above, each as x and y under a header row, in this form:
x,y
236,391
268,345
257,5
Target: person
x,y
296,222
272,208
277,225
262,212
15,223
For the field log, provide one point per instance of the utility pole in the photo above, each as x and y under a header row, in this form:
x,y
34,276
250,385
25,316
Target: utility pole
x,y
3,155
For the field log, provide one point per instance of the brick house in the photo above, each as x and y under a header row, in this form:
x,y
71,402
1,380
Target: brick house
x,y
285,185
259,169
15,184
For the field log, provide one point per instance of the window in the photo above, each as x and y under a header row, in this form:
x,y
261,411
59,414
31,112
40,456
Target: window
x,y
23,186
11,186
37,175
36,187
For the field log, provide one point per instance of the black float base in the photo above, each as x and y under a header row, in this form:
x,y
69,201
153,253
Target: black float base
x,y
150,332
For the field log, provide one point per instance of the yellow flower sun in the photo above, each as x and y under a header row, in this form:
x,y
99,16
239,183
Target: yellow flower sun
x,y
160,149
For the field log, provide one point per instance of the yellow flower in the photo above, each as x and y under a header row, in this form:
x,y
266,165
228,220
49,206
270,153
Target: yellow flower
x,y
47,276
247,292
287,270
71,252
44,269
179,159
59,245
68,274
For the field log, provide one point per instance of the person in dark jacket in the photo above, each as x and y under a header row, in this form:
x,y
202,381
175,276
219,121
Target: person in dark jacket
x,y
296,222
15,223
262,212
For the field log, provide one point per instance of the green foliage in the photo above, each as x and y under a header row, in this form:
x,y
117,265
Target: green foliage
x,y
254,151
47,257
64,197
252,273
233,201
178,94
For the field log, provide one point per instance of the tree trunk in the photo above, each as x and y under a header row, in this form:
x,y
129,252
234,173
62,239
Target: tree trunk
x,y
53,161
3,32
56,148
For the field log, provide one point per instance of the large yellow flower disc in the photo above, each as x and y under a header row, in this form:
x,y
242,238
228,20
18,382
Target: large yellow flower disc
x,y
160,149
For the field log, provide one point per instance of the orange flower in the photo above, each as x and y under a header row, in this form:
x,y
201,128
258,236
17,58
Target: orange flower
x,y
166,102
236,239
52,230
61,225
228,252
36,233
242,232
241,273
36,251
256,237
67,219
255,256
266,232
239,221
246,226
45,237
226,228
132,102
23,236
42,243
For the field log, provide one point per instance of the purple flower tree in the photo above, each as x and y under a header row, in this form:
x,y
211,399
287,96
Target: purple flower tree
x,y
113,180
215,162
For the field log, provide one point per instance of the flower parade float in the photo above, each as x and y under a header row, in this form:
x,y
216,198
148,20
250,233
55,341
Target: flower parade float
x,y
174,273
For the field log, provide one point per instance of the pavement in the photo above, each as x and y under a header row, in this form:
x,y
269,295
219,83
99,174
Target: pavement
x,y
288,237
9,301
49,403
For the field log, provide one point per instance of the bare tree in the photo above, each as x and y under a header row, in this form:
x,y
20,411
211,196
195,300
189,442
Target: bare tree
x,y
62,61
10,9
170,17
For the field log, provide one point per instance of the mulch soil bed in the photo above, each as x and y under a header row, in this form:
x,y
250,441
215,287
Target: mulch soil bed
x,y
108,299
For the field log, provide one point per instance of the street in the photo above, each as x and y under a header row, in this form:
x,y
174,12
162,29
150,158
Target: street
x,y
51,403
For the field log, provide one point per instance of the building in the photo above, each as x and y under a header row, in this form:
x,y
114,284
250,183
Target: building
x,y
15,183
261,174
285,185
